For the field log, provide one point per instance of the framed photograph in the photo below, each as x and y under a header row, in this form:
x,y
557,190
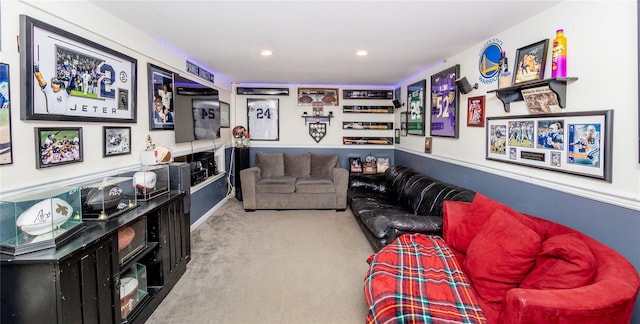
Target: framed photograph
x,y
355,165
403,123
6,144
263,119
327,96
382,164
530,62
396,137
427,144
475,111
66,77
415,110
445,103
225,115
576,143
58,145
161,114
116,141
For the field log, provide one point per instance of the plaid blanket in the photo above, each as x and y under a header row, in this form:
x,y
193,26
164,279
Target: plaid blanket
x,y
416,279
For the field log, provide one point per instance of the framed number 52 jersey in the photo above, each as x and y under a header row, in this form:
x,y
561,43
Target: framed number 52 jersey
x,y
263,119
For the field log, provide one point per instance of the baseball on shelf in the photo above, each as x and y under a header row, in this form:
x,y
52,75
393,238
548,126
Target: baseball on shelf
x,y
144,180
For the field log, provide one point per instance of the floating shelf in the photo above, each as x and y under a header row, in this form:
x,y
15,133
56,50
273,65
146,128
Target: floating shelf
x,y
514,93
317,119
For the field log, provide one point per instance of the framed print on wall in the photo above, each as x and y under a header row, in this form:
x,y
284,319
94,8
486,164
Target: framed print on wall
x,y
225,115
307,96
116,141
161,114
66,77
6,151
530,62
445,103
415,110
475,111
263,119
58,145
403,123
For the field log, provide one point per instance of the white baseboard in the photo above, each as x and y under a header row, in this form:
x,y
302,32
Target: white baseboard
x,y
208,213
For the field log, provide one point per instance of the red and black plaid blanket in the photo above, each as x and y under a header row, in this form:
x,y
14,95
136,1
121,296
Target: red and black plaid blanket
x,y
416,279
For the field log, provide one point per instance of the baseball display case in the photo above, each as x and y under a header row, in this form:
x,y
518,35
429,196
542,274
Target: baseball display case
x,y
40,219
149,181
108,197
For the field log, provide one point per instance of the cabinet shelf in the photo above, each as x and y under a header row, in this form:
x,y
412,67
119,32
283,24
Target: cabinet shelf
x,y
514,93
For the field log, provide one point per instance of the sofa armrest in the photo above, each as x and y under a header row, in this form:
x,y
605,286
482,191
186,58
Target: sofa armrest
x,y
341,182
452,214
249,177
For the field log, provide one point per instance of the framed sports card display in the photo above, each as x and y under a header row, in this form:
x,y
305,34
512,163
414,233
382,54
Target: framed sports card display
x,y
66,77
415,110
58,145
161,114
116,141
225,115
445,103
263,119
475,111
576,143
530,62
6,151
327,96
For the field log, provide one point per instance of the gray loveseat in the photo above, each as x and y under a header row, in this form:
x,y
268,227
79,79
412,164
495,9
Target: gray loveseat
x,y
295,181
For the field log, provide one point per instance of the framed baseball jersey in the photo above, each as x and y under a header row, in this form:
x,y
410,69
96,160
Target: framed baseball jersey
x,y
263,119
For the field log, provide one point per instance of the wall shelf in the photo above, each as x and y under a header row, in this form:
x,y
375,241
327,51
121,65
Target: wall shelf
x,y
514,93
317,119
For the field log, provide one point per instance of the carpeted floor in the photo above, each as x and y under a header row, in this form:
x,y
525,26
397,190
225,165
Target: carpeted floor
x,y
294,266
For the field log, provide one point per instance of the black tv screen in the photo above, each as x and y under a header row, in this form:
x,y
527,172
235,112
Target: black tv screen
x,y
197,111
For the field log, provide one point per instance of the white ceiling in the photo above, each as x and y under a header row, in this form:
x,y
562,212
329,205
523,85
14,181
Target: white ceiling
x,y
315,42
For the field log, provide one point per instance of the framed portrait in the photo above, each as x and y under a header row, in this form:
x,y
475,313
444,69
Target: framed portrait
x,y
530,62
475,111
327,96
415,110
116,141
403,123
66,77
58,145
445,103
225,115
263,119
6,144
576,143
161,101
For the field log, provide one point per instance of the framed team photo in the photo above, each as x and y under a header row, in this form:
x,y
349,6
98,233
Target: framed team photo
x,y
161,106
116,141
66,77
6,151
575,143
445,103
58,145
263,119
416,106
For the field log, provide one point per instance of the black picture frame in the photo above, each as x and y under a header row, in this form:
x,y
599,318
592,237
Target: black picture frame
x,y
396,136
161,98
415,107
530,62
58,146
225,115
107,88
6,143
263,121
445,103
403,123
116,140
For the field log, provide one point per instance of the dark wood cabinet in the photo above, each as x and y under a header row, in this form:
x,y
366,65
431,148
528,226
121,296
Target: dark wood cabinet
x,y
80,282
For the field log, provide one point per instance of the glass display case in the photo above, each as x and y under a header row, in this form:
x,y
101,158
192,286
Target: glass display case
x,y
39,219
133,288
108,197
131,239
149,181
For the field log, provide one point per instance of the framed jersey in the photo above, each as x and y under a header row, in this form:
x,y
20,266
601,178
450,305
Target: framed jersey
x,y
262,115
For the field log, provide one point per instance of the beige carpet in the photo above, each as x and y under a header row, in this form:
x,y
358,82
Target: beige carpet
x,y
297,266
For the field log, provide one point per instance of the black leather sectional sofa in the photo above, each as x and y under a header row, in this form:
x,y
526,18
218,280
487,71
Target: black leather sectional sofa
x,y
400,201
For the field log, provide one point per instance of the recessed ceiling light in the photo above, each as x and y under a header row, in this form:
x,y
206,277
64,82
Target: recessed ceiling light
x,y
266,53
361,53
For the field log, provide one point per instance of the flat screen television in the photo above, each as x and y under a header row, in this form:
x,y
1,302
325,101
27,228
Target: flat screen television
x,y
197,111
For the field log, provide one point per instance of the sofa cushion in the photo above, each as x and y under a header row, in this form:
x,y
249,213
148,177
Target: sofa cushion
x,y
297,165
276,185
565,262
322,165
479,212
315,185
500,256
270,164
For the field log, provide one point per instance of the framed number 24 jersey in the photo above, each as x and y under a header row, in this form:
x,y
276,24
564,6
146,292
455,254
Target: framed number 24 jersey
x,y
263,119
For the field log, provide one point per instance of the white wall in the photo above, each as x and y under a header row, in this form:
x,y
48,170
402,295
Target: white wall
x,y
602,53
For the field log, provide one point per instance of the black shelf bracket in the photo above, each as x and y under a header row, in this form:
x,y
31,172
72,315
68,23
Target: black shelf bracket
x,y
514,93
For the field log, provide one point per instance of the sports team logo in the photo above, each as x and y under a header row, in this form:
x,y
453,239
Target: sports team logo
x,y
488,64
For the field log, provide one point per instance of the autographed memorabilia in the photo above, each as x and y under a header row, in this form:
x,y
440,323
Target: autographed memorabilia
x,y
415,110
263,119
475,111
6,151
66,77
444,103
161,109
